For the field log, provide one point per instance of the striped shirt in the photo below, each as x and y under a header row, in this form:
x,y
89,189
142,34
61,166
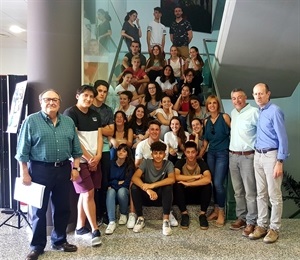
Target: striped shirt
x,y
40,140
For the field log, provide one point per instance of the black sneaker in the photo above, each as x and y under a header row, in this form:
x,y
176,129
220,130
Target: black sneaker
x,y
102,220
82,231
96,238
185,221
203,222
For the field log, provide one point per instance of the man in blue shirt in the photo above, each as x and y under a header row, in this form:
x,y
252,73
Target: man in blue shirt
x,y
241,155
271,147
46,142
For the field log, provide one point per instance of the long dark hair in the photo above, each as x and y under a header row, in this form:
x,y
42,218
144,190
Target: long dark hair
x,y
160,57
163,77
198,55
133,119
129,162
158,94
123,75
125,124
192,111
129,14
181,133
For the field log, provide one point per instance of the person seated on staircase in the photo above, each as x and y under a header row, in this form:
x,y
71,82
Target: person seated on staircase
x,y
134,50
155,63
125,106
182,105
193,185
122,133
125,84
153,185
139,77
142,152
175,139
152,99
195,111
121,171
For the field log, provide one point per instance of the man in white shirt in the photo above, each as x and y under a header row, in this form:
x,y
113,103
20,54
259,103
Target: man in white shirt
x,y
241,155
156,31
143,150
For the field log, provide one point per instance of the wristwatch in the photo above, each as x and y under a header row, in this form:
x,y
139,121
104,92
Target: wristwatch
x,y
77,169
281,161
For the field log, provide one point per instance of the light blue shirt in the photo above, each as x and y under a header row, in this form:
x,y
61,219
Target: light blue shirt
x,y
243,129
271,132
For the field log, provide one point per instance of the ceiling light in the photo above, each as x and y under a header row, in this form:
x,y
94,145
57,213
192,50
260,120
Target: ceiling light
x,y
16,29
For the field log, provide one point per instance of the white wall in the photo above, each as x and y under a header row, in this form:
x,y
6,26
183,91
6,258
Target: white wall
x,y
13,61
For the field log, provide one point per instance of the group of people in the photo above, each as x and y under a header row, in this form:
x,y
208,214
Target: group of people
x,y
160,146
116,161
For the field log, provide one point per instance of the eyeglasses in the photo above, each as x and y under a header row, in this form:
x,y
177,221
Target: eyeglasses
x,y
212,130
151,88
48,100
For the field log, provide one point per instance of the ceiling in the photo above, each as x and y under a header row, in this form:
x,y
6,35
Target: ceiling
x,y
13,12
259,41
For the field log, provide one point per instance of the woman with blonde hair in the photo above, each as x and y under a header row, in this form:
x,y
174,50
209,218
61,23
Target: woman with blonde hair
x,y
216,138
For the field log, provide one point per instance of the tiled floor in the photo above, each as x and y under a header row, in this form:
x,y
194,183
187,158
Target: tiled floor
x,y
214,243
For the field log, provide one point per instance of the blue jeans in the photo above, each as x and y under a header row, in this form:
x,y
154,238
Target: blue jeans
x,y
120,196
218,164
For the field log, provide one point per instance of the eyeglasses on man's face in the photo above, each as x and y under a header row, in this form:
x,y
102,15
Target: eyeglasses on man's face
x,y
48,100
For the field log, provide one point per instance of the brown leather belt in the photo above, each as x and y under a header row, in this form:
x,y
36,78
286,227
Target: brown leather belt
x,y
242,153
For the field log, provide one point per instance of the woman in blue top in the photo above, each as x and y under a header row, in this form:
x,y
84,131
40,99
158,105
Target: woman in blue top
x,y
121,171
216,138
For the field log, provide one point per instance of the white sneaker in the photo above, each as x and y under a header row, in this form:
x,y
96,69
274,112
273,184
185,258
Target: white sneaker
x,y
167,231
173,221
131,220
110,228
123,219
139,225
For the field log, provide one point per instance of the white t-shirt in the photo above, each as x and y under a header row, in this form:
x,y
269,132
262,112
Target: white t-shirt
x,y
176,66
165,85
128,112
171,139
167,117
120,88
172,142
143,150
157,30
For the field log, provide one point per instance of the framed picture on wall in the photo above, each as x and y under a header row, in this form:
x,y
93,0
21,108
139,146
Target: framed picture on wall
x,y
197,12
16,108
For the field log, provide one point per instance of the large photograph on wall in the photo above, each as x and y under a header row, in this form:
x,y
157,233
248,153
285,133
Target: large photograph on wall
x,y
197,12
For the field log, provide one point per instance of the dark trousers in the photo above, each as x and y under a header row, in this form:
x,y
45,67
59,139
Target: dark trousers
x,y
140,198
200,195
101,193
57,182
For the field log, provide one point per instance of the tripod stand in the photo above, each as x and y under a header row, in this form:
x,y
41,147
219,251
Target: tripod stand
x,y
20,216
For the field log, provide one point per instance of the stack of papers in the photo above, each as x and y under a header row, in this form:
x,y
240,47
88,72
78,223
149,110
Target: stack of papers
x,y
32,195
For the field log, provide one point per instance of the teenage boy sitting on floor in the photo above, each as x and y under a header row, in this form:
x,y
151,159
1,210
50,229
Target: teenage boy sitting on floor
x,y
153,185
193,185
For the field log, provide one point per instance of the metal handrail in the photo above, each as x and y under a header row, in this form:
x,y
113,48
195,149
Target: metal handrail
x,y
216,89
115,61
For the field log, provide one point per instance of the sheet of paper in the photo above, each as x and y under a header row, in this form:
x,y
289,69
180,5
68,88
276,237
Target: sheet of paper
x,y
32,195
